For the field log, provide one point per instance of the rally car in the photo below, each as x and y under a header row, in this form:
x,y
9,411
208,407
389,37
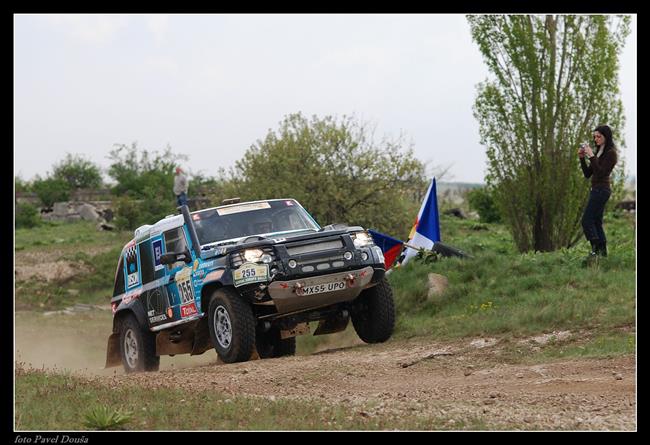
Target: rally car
x,y
240,278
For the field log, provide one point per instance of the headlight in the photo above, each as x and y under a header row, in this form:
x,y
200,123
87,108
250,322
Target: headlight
x,y
362,239
253,255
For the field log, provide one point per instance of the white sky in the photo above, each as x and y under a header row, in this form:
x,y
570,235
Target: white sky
x,y
212,85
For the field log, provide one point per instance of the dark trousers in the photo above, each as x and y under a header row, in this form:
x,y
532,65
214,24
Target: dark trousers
x,y
181,199
592,218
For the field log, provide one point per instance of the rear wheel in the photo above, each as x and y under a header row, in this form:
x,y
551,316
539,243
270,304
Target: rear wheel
x,y
374,314
137,347
232,326
270,344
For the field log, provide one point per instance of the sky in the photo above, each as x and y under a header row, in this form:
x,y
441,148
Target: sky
x,y
210,86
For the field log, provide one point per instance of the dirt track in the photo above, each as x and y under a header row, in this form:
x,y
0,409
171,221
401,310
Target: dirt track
x,y
463,381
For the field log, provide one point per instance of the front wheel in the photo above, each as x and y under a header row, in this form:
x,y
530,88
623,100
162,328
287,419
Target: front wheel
x,y
232,326
374,315
137,347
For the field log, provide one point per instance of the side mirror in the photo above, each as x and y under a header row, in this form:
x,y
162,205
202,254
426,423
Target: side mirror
x,y
171,258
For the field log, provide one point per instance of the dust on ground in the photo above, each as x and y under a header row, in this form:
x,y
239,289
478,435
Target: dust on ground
x,y
465,380
432,379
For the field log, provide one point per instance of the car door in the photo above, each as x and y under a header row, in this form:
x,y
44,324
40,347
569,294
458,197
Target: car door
x,y
180,286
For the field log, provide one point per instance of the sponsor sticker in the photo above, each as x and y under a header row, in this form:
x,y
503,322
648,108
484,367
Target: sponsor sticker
x,y
132,273
157,318
157,253
208,264
250,273
243,208
184,283
188,310
196,264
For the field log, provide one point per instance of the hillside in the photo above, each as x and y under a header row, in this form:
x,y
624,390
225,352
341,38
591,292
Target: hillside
x,y
532,341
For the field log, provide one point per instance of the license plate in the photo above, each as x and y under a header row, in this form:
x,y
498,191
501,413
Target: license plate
x,y
322,288
250,273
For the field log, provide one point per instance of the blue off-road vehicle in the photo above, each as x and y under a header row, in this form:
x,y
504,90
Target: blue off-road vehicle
x,y
243,277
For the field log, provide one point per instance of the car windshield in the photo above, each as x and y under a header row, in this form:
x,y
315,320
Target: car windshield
x,y
251,218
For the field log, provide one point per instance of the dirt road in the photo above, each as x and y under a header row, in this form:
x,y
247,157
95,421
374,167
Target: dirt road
x,y
466,381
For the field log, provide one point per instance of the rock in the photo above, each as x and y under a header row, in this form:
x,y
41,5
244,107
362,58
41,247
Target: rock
x,y
88,212
72,218
437,285
60,209
618,377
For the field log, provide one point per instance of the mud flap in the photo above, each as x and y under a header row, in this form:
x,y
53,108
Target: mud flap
x,y
113,351
331,325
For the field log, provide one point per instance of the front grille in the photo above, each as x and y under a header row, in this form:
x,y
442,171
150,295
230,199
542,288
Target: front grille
x,y
316,247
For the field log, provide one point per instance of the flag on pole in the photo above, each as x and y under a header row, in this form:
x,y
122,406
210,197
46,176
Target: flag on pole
x,y
390,247
426,230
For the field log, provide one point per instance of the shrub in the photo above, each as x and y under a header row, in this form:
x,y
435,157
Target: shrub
x,y
27,216
105,418
482,200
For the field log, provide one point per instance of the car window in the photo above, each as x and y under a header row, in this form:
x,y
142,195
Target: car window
x,y
146,262
119,278
230,222
175,242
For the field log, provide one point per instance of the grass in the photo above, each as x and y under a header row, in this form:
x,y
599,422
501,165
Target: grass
x,y
48,401
94,252
500,291
59,234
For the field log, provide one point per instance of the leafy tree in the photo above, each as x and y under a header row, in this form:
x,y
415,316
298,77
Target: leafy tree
x,y
336,170
78,172
134,170
554,79
21,185
51,190
144,184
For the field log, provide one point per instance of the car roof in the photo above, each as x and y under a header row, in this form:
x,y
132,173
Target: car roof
x,y
172,221
243,202
167,223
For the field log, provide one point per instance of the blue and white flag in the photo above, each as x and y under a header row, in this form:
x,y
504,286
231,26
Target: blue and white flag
x,y
426,230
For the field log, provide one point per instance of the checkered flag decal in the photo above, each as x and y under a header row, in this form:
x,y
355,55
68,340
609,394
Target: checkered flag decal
x,y
130,254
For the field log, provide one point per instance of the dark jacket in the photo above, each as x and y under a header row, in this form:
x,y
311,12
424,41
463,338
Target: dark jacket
x,y
599,169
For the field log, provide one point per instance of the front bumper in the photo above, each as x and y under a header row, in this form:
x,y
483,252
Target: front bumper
x,y
288,297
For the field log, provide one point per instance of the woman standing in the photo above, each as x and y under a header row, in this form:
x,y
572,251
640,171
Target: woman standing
x,y
599,170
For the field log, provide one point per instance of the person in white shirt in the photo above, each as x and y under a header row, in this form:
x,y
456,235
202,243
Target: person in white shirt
x,y
180,187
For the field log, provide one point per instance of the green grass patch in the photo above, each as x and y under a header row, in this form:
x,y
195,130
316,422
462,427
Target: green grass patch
x,y
500,291
46,401
609,344
61,234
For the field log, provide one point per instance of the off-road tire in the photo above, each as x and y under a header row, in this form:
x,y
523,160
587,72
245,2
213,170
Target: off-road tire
x,y
235,318
140,354
373,317
271,345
